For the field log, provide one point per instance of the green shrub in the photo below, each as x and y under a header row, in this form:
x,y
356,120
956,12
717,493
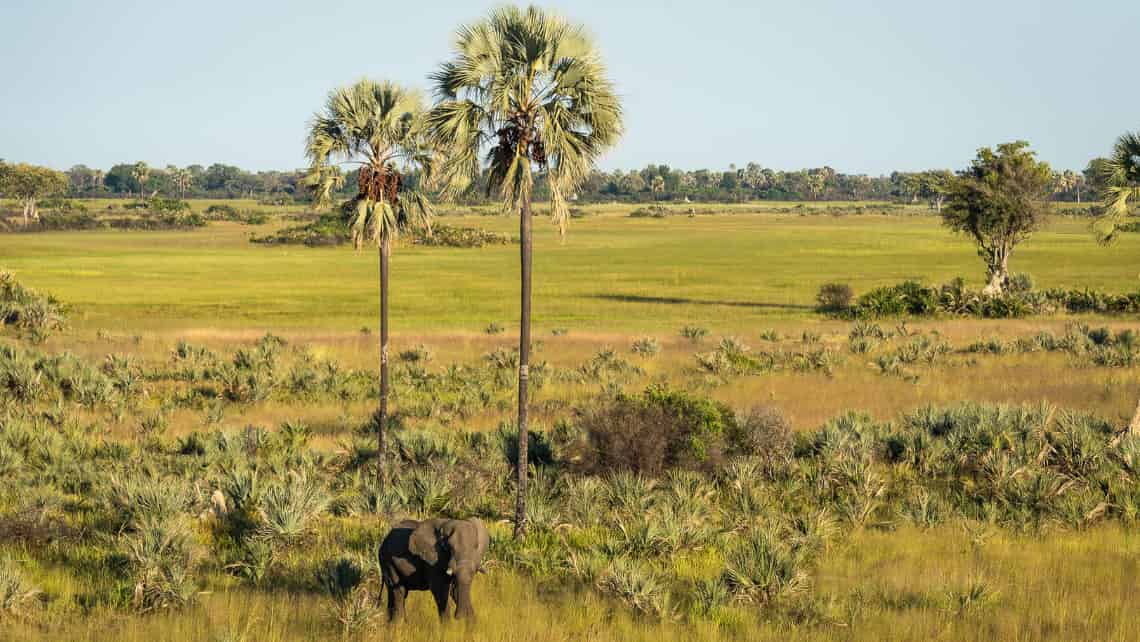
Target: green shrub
x,y
694,333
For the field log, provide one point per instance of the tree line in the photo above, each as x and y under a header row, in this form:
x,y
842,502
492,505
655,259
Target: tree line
x,y
654,182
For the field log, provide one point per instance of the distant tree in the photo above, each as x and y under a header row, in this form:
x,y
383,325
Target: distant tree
x,y
30,183
531,87
180,178
1094,175
1064,182
378,126
754,176
816,182
118,179
999,201
632,183
934,185
84,179
140,173
1120,175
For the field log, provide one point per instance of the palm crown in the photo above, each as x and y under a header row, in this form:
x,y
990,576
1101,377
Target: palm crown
x,y
524,88
376,125
1121,174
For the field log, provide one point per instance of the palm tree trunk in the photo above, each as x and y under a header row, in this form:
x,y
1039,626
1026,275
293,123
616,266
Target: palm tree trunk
x,y
382,412
525,252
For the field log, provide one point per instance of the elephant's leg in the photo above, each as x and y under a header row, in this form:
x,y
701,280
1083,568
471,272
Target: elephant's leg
x,y
461,593
440,593
396,595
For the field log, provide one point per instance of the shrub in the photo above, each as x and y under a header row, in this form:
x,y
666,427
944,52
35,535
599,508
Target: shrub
x,y
655,431
646,347
160,560
1020,283
1019,300
465,237
353,607
32,314
638,586
289,507
763,570
652,211
328,230
694,333
834,298
417,354
763,432
17,596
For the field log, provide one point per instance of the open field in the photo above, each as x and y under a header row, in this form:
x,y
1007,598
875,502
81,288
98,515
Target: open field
x,y
935,546
611,274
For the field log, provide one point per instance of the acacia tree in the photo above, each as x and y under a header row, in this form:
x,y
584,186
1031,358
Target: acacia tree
x,y
377,126
29,183
999,201
528,89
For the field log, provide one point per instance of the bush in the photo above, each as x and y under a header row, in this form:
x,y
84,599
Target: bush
x,y
763,432
1019,300
1020,283
834,298
655,431
160,560
17,597
32,314
694,333
467,237
646,347
652,211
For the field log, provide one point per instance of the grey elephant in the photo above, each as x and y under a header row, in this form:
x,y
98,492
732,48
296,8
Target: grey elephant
x,y
437,555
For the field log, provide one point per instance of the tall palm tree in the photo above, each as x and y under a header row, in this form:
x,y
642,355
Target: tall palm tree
x,y
1121,176
377,126
528,89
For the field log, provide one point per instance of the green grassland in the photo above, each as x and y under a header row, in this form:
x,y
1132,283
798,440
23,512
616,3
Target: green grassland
x,y
729,272
746,272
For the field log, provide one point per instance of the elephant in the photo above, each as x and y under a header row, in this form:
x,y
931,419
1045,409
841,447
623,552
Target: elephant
x,y
437,555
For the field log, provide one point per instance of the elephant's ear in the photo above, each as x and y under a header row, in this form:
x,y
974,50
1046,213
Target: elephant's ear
x,y
423,543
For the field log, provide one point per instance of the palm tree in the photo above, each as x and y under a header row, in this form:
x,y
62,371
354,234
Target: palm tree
x,y
140,172
527,88
180,178
375,125
1121,176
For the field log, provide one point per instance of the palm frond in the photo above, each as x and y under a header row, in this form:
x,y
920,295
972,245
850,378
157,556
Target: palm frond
x,y
1121,174
524,92
380,126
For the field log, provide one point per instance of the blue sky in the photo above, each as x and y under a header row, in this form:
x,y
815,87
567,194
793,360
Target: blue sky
x,y
861,86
